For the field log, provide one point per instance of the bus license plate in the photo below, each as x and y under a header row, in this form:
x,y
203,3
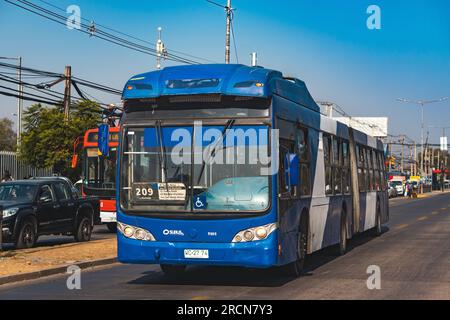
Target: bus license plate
x,y
196,254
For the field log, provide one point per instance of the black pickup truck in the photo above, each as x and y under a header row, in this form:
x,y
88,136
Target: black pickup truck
x,y
45,206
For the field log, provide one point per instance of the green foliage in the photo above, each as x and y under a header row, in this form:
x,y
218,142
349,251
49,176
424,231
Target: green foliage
x,y
47,140
8,139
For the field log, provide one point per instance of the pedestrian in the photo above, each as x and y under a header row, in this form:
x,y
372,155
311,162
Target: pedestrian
x,y
7,176
407,187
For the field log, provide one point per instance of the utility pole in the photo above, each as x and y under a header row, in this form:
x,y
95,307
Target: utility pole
x,y
67,94
229,12
228,9
401,161
19,104
415,158
422,103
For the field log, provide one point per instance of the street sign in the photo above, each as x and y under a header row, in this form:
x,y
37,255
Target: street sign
x,y
444,144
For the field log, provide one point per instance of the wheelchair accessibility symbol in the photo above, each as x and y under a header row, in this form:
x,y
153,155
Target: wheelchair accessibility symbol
x,y
200,202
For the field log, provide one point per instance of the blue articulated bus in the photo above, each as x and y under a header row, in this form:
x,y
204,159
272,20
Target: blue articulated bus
x,y
234,165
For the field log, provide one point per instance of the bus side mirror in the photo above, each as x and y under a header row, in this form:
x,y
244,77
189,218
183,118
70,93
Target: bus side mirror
x,y
292,169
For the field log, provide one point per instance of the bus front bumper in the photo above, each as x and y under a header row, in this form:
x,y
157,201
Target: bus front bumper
x,y
257,254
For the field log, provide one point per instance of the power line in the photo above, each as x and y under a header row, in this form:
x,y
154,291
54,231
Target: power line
x,y
127,35
50,94
50,15
80,81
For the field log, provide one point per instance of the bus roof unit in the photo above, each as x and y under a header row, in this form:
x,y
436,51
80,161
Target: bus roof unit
x,y
221,79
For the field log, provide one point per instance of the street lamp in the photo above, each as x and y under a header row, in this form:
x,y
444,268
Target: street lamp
x,y
422,103
19,99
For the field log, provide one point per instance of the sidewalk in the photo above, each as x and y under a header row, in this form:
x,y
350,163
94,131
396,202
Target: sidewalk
x,y
431,194
16,262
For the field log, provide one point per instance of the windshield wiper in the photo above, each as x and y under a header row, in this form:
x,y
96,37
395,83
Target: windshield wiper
x,y
228,126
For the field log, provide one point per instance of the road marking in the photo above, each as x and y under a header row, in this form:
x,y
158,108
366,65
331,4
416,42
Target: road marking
x,y
401,226
435,213
422,218
443,209
200,298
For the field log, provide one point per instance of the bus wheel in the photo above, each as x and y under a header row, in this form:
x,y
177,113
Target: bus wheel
x,y
343,235
376,231
295,269
173,271
112,227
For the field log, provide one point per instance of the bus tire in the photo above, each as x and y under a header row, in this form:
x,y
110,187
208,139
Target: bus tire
x,y
173,271
343,235
296,268
112,227
27,235
376,231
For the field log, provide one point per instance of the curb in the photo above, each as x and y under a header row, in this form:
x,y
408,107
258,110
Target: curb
x,y
56,270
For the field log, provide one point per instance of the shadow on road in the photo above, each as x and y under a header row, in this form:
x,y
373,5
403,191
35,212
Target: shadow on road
x,y
234,276
99,232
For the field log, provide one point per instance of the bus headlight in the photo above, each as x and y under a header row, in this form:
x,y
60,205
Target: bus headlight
x,y
255,234
135,232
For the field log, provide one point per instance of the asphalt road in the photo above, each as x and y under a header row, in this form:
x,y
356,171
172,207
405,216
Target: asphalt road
x,y
99,232
413,255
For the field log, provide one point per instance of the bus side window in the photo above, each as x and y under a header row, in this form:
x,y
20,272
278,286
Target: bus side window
x,y
367,169
327,163
303,151
370,170
345,168
336,168
382,165
361,170
286,146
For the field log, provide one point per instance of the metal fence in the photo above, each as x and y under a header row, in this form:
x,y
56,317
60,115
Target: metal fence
x,y
9,162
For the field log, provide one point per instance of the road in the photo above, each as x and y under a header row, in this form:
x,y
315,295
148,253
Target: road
x,y
99,232
413,254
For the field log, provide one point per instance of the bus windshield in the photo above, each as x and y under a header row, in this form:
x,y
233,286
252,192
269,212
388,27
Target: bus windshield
x,y
165,170
100,170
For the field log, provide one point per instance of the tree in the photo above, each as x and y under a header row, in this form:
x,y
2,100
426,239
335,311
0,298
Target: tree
x,y
8,139
47,140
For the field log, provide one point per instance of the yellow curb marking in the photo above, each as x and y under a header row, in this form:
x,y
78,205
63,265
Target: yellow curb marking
x,y
200,298
422,218
401,226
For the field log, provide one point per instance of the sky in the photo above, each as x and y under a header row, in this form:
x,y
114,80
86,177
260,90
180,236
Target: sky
x,y
326,43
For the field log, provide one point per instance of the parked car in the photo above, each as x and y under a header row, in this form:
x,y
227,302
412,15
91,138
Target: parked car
x,y
446,184
45,206
398,185
392,191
